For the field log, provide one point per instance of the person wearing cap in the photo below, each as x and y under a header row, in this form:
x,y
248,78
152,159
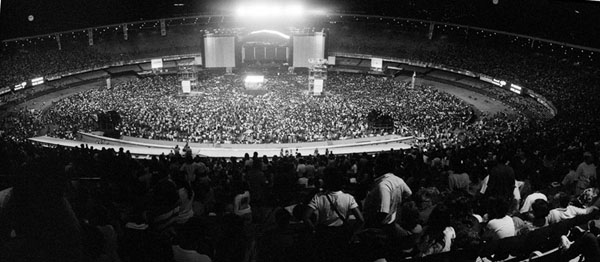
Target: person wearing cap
x,y
585,173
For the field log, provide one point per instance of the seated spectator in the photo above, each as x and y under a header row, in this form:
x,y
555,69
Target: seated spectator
x,y
426,199
565,210
500,225
438,234
530,199
588,197
465,223
537,217
410,228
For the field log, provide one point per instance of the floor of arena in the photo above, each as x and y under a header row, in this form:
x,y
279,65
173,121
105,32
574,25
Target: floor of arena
x,y
144,147
481,102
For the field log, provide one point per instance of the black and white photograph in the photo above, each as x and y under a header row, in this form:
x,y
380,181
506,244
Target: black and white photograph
x,y
299,130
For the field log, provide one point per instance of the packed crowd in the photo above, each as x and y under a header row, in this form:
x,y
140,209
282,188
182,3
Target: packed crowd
x,y
152,108
501,186
26,64
85,204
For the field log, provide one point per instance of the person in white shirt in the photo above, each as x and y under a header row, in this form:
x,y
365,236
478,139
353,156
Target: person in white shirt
x,y
333,209
321,204
538,215
186,199
458,179
565,210
301,168
382,201
241,201
585,173
530,199
332,206
500,225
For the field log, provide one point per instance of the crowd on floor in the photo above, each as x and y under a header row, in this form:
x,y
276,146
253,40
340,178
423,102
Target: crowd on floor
x,y
153,108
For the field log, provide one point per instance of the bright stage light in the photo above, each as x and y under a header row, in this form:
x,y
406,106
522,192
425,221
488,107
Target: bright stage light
x,y
269,10
254,79
294,10
254,10
241,11
254,82
319,12
272,10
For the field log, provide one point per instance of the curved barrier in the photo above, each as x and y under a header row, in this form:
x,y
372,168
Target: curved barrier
x,y
148,147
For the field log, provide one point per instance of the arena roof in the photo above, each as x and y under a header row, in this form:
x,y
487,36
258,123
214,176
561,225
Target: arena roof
x,y
566,21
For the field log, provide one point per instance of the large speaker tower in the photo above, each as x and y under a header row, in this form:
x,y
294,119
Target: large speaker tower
x,y
317,75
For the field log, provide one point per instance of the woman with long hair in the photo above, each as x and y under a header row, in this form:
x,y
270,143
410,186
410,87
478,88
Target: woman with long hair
x,y
438,234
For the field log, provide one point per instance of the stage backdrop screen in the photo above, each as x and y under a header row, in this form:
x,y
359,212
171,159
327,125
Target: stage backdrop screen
x,y
219,51
306,47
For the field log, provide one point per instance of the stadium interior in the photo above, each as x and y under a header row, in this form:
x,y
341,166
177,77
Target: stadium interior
x,y
240,131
